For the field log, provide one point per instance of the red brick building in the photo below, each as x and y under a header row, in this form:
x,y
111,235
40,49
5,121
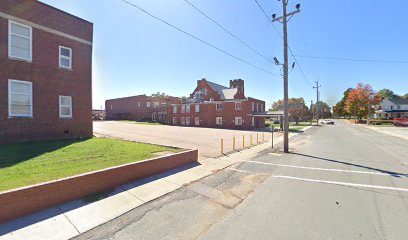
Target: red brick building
x,y
45,73
140,108
217,106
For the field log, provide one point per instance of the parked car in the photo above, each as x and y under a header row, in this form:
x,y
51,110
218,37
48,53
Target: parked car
x,y
328,122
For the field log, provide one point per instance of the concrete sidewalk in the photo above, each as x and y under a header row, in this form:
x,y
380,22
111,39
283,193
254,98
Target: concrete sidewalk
x,y
71,219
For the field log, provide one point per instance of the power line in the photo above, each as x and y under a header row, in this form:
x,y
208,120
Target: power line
x,y
353,59
280,35
198,39
225,30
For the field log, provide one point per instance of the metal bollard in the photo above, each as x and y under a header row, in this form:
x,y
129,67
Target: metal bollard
x,y
222,146
250,139
263,137
243,141
257,138
233,143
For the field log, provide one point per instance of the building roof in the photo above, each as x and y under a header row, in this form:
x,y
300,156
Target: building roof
x,y
226,93
399,101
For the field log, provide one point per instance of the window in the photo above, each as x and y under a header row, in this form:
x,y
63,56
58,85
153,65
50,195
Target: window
x,y
253,106
20,41
262,107
154,117
156,104
187,121
218,107
392,107
183,121
257,107
174,121
20,98
238,106
218,120
138,104
238,120
253,122
398,107
65,57
65,109
148,104
183,108
187,108
197,108
197,121
174,109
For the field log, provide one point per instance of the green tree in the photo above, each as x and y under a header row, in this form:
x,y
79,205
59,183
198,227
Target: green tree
x,y
339,109
387,93
405,96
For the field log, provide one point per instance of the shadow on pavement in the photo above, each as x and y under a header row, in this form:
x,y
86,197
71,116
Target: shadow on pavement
x,y
48,213
394,174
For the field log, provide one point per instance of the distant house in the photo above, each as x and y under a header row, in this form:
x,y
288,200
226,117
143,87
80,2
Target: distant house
x,y
391,108
216,106
140,108
45,73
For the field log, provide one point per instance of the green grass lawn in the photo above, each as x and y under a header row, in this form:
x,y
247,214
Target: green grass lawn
x,y
142,123
292,125
23,164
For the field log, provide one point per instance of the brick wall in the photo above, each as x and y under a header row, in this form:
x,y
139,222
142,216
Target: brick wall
x,y
48,80
20,202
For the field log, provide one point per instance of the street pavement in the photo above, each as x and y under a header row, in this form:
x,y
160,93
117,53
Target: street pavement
x,y
338,182
206,140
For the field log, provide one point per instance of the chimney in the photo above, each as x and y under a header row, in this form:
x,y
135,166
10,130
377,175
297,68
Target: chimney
x,y
238,83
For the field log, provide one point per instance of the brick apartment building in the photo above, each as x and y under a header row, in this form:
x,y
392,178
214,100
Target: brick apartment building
x,y
140,108
45,73
216,106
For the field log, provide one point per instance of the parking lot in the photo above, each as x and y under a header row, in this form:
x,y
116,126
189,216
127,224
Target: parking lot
x,y
206,140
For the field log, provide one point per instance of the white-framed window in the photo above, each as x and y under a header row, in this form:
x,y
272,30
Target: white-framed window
x,y
262,109
253,121
187,121
218,120
156,104
187,108
238,121
197,108
20,41
154,116
148,104
197,121
183,108
138,104
218,107
174,109
174,120
253,106
20,98
65,57
257,107
183,121
65,106
238,106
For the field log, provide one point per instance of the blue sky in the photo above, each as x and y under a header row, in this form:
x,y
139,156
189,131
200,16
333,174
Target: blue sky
x,y
136,54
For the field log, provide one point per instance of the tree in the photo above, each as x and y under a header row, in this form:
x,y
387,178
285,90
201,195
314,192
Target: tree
x,y
387,93
323,109
358,100
292,101
339,109
298,114
405,96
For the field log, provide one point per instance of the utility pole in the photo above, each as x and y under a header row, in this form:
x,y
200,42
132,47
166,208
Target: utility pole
x,y
317,100
311,109
284,20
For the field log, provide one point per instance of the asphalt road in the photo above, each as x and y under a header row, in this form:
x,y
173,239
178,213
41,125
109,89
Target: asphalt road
x,y
339,182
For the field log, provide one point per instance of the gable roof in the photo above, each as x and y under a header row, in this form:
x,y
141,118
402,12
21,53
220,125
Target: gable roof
x,y
226,93
399,101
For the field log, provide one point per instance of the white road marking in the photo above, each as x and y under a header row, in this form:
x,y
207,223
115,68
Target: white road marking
x,y
342,183
322,169
238,170
275,154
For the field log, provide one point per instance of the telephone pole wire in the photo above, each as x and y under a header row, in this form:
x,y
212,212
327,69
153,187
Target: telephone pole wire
x,y
284,20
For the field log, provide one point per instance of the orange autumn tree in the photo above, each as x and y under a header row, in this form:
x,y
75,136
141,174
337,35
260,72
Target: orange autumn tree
x,y
359,99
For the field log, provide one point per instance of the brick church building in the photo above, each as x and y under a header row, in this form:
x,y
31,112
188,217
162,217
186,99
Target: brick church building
x,y
216,106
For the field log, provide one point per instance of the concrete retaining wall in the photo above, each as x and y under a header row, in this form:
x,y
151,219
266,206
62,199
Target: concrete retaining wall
x,y
19,202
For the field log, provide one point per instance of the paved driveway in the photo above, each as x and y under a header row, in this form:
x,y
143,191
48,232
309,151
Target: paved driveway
x,y
206,140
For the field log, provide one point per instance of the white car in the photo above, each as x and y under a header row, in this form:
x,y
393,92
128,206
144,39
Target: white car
x,y
328,122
